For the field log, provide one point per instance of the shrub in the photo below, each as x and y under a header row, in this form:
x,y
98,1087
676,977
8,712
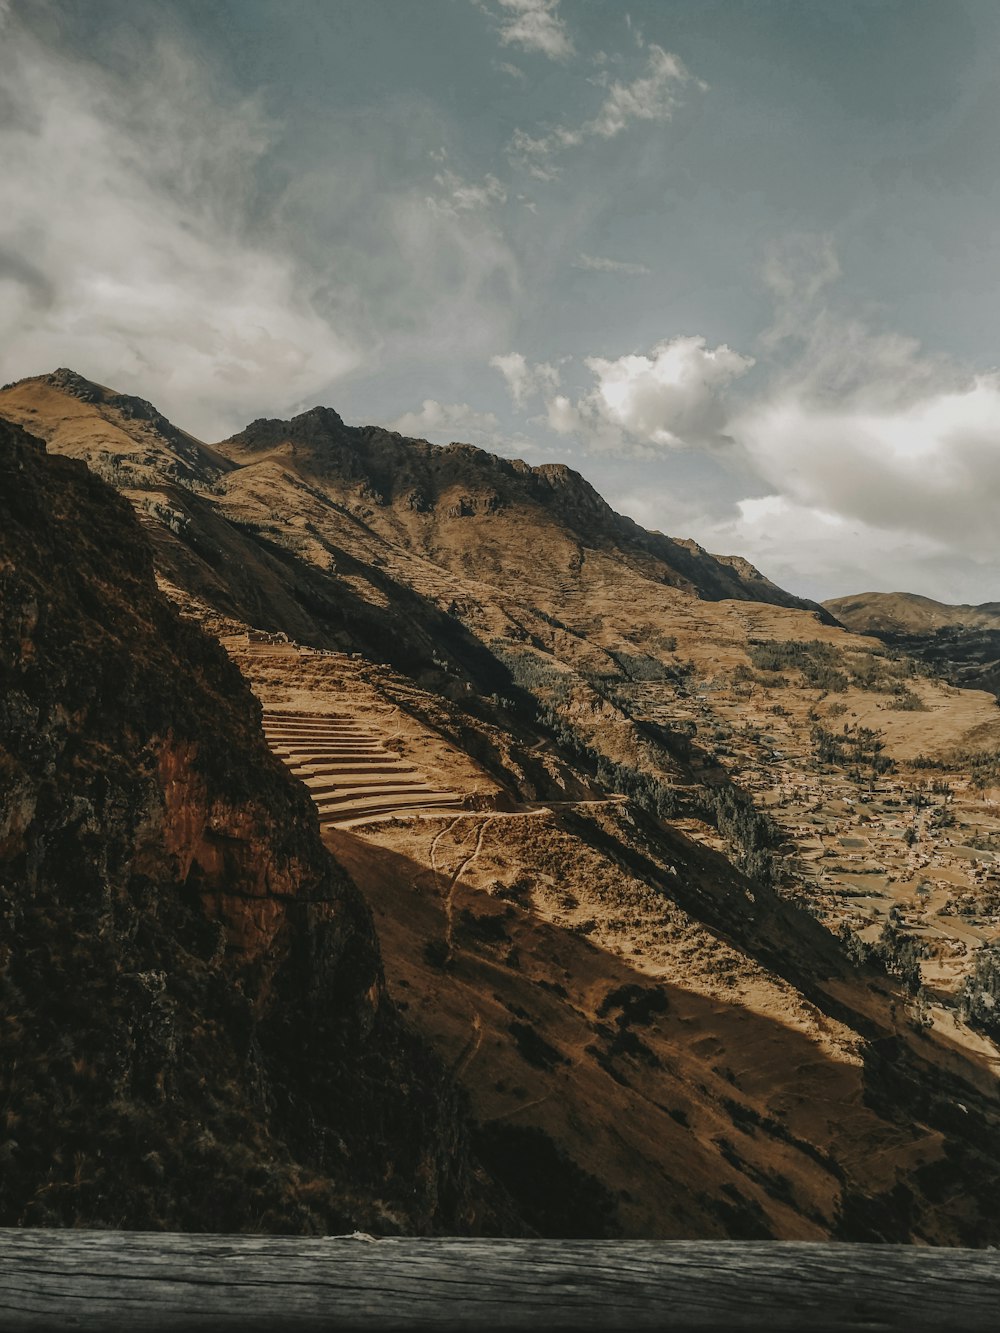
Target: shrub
x,y
979,1001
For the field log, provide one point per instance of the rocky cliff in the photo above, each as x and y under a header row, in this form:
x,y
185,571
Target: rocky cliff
x,y
196,1031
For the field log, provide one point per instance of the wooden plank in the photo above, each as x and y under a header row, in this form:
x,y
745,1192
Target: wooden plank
x,y
165,1283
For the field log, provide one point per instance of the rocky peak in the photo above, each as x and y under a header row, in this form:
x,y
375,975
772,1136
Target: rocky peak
x,y
69,381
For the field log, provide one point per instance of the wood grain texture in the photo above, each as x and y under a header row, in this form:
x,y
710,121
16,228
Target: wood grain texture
x,y
149,1281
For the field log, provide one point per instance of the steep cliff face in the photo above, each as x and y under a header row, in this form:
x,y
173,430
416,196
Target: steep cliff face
x,y
196,1033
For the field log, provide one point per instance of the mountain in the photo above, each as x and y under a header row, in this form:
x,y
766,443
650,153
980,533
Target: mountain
x,y
691,930
418,495
361,488
198,1034
961,644
909,613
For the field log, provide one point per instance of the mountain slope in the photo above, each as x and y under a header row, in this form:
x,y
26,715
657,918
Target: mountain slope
x,y
614,942
407,491
472,573
418,494
909,613
961,644
197,1034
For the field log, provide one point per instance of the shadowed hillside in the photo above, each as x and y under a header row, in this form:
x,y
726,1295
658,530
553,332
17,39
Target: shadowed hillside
x,y
196,1031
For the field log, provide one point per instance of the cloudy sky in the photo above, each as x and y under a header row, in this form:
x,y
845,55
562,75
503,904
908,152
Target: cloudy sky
x,y
737,262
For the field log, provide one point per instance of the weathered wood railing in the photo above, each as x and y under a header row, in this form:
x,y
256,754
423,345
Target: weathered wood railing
x,y
154,1282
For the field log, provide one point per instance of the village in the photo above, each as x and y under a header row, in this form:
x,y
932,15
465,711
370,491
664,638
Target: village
x,y
870,841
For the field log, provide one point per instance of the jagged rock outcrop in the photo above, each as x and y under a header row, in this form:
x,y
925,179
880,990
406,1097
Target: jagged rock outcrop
x,y
196,1031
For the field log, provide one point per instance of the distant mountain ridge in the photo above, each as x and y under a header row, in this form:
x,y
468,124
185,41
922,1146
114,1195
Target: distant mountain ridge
x,y
961,644
909,613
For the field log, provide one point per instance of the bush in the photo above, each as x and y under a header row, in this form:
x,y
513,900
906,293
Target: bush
x,y
906,701
437,953
979,1001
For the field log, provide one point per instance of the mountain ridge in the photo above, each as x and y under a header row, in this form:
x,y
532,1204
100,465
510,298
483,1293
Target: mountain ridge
x,y
642,940
909,613
372,454
959,643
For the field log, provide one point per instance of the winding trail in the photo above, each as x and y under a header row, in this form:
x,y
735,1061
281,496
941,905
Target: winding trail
x,y
449,905
471,1048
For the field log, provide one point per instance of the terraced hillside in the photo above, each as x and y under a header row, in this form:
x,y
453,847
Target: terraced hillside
x,y
196,1031
350,773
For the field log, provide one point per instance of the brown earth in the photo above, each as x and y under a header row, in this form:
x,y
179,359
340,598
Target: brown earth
x,y
613,940
698,1049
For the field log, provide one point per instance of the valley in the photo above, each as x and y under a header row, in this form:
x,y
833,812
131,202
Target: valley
x,y
680,880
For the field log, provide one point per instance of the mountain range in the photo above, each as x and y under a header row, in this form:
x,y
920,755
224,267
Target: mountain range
x,y
398,838
960,643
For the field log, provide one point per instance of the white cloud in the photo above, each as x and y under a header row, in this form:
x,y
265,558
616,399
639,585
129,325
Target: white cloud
x,y
599,264
854,457
534,155
563,417
460,196
865,461
929,466
535,25
446,281
819,552
797,269
673,397
523,380
124,252
865,424
652,97
444,422
635,30
418,281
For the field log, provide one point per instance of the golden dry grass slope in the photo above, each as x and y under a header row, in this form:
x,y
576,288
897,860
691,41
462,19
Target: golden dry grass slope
x,y
909,613
694,930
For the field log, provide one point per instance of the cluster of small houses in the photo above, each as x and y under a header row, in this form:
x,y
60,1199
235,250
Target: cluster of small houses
x,y
880,831
263,638
869,839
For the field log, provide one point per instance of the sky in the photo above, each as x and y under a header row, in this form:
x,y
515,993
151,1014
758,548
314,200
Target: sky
x,y
736,262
